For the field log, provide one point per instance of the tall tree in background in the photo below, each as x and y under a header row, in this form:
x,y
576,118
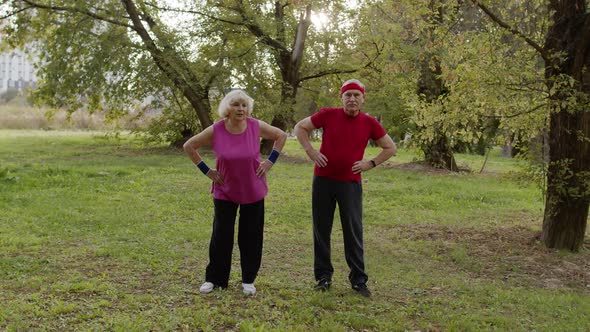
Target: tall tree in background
x,y
95,51
285,31
431,88
413,63
566,56
387,30
492,79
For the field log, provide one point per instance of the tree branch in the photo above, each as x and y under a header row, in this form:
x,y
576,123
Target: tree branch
x,y
168,61
522,88
218,67
328,72
513,30
258,32
246,22
78,11
15,12
187,11
341,71
534,109
300,36
280,21
237,56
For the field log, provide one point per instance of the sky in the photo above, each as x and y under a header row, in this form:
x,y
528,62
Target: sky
x,y
319,19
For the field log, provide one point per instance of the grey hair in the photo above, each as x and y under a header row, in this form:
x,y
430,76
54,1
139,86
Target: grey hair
x,y
354,80
230,98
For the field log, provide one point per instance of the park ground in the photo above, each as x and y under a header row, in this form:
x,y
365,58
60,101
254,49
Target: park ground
x,y
104,232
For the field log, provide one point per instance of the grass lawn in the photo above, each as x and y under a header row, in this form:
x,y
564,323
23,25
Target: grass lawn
x,y
105,233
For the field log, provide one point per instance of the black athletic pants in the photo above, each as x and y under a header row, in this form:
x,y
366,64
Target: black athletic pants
x,y
349,196
250,236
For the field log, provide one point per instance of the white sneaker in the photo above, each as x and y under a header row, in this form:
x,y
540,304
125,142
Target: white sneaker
x,y
206,287
249,289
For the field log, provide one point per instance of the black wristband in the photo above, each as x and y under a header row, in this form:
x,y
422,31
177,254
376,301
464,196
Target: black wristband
x,y
373,163
203,167
274,155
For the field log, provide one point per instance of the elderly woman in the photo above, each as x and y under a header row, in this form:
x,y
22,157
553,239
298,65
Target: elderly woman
x,y
239,181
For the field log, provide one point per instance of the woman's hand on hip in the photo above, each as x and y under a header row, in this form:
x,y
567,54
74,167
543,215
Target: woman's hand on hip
x,y
215,176
263,168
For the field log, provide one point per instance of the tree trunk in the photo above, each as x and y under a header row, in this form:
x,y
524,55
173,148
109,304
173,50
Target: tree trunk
x,y
439,155
266,145
289,63
568,176
437,152
185,135
173,67
566,206
284,117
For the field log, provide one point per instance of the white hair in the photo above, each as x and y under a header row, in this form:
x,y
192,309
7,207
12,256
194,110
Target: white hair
x,y
235,96
354,80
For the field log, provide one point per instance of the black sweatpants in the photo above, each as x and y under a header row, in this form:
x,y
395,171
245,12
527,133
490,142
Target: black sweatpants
x,y
250,236
349,196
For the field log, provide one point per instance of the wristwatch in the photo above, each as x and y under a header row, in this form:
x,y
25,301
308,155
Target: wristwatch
x,y
373,163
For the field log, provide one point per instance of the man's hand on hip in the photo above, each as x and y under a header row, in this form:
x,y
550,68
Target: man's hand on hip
x,y
317,157
361,166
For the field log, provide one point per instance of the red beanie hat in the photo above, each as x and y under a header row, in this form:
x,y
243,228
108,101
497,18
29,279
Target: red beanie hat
x,y
352,86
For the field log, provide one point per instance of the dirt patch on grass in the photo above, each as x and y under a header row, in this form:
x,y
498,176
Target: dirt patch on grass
x,y
421,167
510,254
297,160
416,166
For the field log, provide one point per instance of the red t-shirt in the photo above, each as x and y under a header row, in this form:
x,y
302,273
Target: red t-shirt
x,y
344,141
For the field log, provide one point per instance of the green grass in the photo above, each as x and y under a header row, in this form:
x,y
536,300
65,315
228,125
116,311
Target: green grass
x,y
106,233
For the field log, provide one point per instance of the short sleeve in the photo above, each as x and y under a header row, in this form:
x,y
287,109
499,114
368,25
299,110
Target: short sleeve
x,y
377,130
319,119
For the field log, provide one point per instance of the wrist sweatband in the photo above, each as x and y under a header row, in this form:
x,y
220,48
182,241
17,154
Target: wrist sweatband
x,y
203,167
273,156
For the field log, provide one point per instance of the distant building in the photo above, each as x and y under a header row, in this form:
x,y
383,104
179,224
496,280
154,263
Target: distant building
x,y
16,71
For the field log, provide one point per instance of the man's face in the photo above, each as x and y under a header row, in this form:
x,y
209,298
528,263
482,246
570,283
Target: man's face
x,y
352,100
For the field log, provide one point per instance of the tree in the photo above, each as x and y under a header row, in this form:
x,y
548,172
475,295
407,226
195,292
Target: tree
x,y
431,88
104,56
566,57
416,55
475,83
284,30
493,81
117,36
387,41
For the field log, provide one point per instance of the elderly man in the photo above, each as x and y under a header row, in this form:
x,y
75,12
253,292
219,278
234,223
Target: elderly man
x,y
337,179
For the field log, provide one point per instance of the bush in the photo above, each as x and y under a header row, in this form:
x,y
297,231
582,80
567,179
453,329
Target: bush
x,y
9,95
174,125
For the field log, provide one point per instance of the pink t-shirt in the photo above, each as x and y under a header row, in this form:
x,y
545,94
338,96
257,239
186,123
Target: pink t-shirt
x,y
238,157
344,141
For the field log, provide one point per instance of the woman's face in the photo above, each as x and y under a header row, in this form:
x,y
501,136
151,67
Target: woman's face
x,y
238,110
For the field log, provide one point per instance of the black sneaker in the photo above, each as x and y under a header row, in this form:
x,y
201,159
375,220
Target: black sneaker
x,y
362,289
323,285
